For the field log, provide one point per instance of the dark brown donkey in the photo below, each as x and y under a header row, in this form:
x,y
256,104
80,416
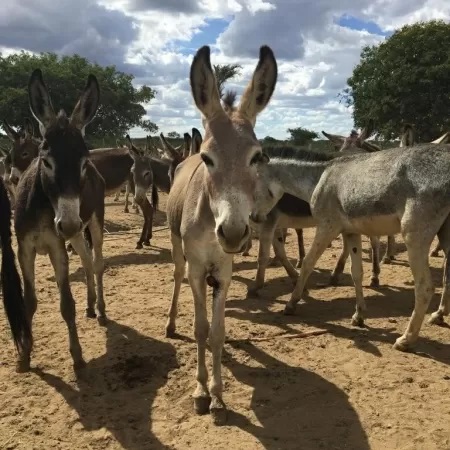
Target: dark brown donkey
x,y
59,195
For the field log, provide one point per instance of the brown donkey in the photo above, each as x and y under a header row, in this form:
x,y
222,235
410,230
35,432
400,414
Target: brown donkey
x,y
208,210
59,195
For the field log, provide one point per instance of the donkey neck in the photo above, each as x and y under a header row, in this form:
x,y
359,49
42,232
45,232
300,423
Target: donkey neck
x,y
295,176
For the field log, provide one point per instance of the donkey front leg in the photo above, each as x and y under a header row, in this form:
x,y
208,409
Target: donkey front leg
x,y
80,245
27,258
323,237
340,265
280,253
60,263
375,246
248,245
178,275
301,247
220,283
390,249
96,231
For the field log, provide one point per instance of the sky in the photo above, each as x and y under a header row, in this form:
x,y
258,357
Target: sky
x,y
317,43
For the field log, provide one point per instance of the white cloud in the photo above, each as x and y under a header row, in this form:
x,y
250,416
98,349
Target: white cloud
x,y
156,39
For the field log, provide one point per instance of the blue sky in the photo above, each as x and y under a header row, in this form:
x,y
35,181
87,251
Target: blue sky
x,y
317,44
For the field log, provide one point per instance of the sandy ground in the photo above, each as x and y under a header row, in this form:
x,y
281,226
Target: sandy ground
x,y
346,389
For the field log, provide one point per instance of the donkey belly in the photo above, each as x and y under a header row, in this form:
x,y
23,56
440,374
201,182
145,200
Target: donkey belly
x,y
288,221
374,226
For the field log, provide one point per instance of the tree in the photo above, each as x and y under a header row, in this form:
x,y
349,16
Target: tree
x,y
173,135
301,136
404,80
225,72
120,102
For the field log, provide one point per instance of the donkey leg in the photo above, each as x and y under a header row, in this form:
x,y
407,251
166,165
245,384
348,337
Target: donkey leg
x,y
437,317
248,245
435,251
96,231
27,258
197,281
280,233
319,245
117,196
149,224
80,245
280,253
417,244
221,283
375,244
178,275
301,247
340,265
60,263
266,233
127,193
390,249
354,242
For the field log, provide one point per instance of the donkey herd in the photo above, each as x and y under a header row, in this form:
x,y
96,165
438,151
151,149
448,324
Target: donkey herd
x,y
221,187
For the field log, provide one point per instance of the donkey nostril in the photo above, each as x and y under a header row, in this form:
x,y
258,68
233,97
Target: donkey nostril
x,y
220,231
59,227
247,230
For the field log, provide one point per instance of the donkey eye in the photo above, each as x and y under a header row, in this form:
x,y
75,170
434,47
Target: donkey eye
x,y
25,155
146,174
207,160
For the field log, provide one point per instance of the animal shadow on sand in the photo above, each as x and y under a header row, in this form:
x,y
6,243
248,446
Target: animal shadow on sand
x,y
389,303
117,390
297,409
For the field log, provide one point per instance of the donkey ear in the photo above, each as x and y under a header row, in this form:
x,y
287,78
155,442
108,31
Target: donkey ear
x,y
134,152
87,105
40,102
10,131
196,142
187,145
28,128
204,85
261,87
337,140
367,131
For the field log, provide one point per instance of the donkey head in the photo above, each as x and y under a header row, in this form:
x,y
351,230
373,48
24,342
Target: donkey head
x,y
355,141
230,151
63,155
141,170
24,149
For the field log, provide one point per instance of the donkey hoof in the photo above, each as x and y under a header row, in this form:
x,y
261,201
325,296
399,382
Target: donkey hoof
x,y
375,282
170,331
437,318
201,404
402,344
102,320
387,260
218,412
358,321
23,365
289,309
139,246
126,210
253,290
90,313
147,243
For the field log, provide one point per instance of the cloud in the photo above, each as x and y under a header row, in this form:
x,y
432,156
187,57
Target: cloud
x,y
316,43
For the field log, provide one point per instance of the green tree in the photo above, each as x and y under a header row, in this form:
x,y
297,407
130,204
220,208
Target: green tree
x,y
405,79
301,136
225,72
173,135
120,102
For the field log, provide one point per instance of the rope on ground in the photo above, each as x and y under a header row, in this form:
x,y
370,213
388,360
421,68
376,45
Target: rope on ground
x,y
298,335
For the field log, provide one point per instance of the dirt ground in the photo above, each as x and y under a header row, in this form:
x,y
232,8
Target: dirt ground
x,y
346,389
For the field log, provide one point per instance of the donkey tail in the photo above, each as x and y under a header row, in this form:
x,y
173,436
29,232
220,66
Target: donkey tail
x,y
12,289
155,197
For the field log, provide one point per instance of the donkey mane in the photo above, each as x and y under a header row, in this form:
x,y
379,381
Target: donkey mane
x,y
229,99
290,152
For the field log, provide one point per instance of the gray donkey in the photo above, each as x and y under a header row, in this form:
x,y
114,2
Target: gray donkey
x,y
58,195
403,190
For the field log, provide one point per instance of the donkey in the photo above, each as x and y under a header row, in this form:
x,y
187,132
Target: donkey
x,y
382,193
58,195
11,286
208,209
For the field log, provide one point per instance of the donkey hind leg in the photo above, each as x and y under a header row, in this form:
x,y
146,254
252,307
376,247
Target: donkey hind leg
x,y
127,193
266,234
436,249
390,250
375,247
27,258
280,233
340,265
117,196
418,244
248,245
80,245
178,275
280,253
301,247
197,281
60,263
320,243
96,231
437,317
354,242
221,279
